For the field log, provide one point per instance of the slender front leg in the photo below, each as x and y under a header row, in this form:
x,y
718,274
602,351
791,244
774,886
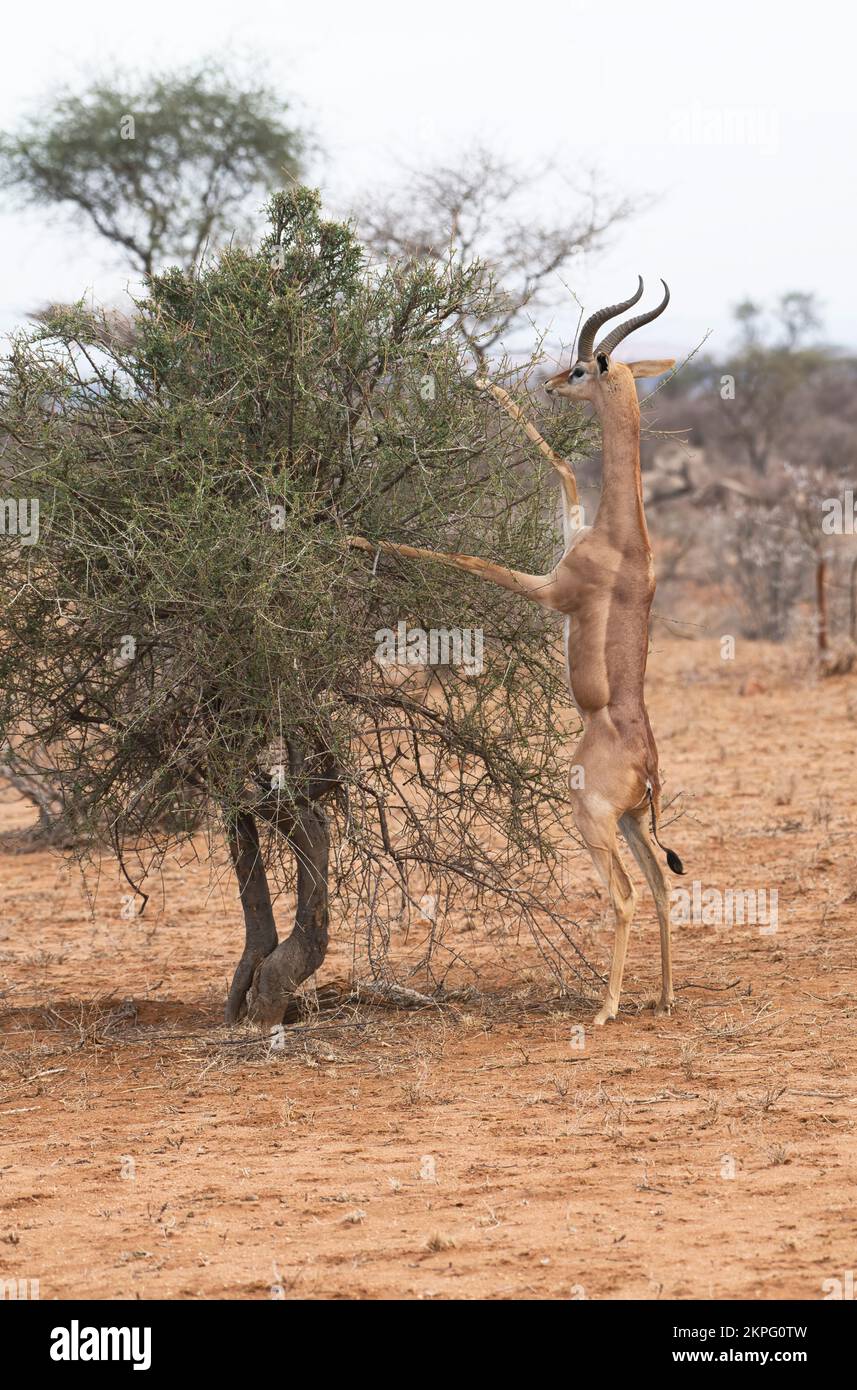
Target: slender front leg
x,y
597,825
540,588
623,899
560,465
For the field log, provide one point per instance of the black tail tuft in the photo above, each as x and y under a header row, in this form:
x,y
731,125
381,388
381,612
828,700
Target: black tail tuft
x,y
673,861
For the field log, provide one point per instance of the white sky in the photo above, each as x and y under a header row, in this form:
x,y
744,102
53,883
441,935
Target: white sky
x,y
740,114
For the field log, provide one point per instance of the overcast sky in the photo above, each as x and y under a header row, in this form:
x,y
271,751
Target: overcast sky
x,y
740,116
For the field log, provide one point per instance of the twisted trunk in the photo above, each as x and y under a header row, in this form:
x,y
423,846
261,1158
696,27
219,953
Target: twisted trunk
x,y
270,971
300,955
260,930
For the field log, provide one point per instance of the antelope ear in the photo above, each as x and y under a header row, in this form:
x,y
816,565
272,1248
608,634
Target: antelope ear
x,y
655,367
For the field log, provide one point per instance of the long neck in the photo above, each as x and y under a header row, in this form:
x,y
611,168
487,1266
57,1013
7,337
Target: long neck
x,y
620,510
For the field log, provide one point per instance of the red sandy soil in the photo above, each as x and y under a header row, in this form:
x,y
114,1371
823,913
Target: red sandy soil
x,y
472,1151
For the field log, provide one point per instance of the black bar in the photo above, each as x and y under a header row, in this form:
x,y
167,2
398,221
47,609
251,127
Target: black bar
x,y
606,1336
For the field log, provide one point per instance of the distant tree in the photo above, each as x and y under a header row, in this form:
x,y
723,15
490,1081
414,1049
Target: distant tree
x,y
190,633
161,167
775,417
794,318
746,404
482,205
765,555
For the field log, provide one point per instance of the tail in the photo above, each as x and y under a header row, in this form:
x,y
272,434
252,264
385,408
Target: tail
x,y
673,861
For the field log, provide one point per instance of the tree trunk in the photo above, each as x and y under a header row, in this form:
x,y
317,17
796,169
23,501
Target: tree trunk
x,y
821,604
260,930
303,951
36,787
268,974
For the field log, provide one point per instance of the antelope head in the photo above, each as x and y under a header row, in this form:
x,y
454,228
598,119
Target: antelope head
x,y
594,371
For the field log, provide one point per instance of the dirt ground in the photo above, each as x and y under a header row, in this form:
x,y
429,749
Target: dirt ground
x,y
488,1149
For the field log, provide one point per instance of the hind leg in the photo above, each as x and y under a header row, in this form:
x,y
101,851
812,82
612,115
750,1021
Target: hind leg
x,y
623,899
597,825
640,845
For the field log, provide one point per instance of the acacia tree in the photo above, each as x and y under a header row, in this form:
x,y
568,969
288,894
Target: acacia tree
x,y
192,639
161,167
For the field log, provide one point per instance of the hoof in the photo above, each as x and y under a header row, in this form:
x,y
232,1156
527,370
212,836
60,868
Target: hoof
x,y
603,1016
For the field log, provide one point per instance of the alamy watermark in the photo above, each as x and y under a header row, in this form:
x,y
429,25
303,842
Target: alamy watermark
x,y
15,1289
76,1343
437,646
843,1288
19,519
757,126
840,514
729,907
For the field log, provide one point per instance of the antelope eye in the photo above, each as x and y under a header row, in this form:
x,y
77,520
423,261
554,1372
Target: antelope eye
x,y
578,373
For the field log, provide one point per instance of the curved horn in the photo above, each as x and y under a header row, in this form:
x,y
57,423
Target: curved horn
x,y
613,339
594,322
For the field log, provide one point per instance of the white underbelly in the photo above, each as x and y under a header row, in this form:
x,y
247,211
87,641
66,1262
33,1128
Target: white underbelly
x,y
572,538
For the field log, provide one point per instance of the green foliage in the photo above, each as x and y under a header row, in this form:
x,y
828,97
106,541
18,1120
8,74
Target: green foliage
x,y
161,167
196,488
